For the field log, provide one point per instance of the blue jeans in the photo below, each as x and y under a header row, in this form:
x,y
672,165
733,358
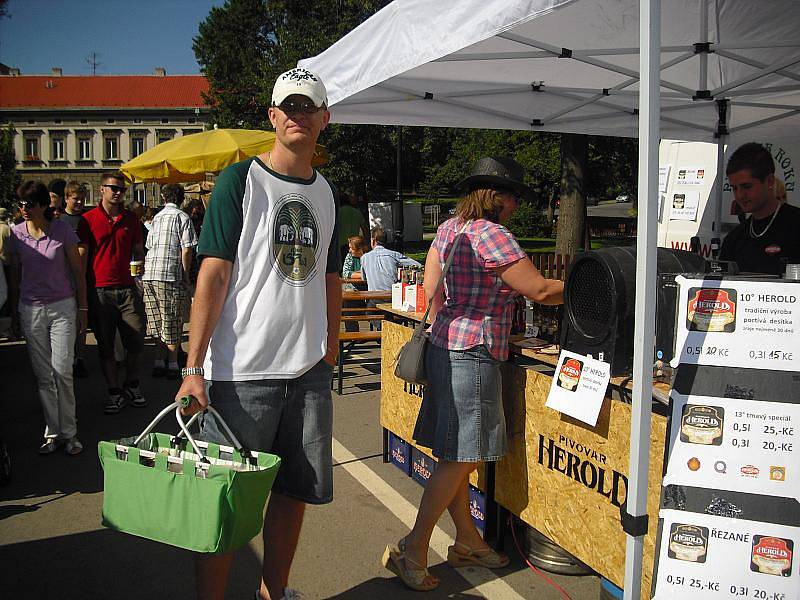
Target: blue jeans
x,y
292,418
461,418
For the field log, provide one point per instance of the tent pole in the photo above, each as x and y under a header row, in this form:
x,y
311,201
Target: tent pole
x,y
399,224
722,138
646,242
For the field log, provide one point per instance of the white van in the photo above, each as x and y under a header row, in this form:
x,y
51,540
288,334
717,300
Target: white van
x,y
688,189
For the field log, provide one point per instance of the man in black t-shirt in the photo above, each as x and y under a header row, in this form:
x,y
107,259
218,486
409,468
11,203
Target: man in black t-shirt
x,y
770,237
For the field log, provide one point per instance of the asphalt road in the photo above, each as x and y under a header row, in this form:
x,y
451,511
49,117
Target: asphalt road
x,y
52,544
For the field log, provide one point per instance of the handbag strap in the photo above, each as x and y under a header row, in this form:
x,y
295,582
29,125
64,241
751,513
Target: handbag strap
x,y
421,326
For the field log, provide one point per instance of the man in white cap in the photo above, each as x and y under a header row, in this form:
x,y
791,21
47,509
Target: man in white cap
x,y
265,323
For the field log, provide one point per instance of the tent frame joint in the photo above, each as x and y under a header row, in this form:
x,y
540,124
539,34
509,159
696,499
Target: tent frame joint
x,y
703,95
537,123
633,525
565,53
703,48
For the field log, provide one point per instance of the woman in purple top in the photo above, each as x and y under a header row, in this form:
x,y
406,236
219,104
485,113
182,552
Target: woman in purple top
x,y
48,297
461,418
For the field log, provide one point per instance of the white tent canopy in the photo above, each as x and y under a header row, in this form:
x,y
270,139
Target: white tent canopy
x,y
569,66
706,69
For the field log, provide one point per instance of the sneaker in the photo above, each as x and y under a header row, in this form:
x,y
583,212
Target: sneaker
x,y
50,445
135,396
73,446
79,369
288,594
114,403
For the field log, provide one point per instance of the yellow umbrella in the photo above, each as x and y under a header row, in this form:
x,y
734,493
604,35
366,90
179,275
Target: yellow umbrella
x,y
190,157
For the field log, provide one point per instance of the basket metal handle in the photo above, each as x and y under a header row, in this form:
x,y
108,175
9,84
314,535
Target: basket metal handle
x,y
176,406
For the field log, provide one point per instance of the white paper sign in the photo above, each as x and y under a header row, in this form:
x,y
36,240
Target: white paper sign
x,y
663,178
684,205
710,557
579,386
737,445
690,176
738,324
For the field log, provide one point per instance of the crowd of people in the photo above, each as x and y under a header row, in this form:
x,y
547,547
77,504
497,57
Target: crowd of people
x,y
68,267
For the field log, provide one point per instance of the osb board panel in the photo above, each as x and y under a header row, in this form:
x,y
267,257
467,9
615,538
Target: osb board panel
x,y
400,401
567,480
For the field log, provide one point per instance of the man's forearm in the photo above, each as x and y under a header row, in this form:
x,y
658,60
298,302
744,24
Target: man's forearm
x,y
212,288
186,262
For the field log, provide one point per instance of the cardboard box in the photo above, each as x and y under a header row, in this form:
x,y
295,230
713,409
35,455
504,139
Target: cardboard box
x,y
400,453
414,300
398,296
422,466
477,508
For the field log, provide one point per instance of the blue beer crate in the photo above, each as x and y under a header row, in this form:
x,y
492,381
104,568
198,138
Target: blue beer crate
x,y
400,453
422,466
477,508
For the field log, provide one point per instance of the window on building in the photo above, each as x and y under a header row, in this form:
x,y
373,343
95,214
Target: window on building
x,y
58,149
165,120
164,136
31,148
137,145
111,148
89,192
84,148
84,121
111,121
140,194
137,121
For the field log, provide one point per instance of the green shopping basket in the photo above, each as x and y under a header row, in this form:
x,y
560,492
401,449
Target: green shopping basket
x,y
207,498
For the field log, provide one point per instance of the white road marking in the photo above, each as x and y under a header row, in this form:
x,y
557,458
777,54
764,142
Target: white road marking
x,y
484,581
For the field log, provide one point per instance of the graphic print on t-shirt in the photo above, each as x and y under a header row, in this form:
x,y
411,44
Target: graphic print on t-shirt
x,y
295,239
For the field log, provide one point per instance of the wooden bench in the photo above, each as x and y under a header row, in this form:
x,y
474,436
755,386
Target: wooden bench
x,y
348,339
357,309
351,318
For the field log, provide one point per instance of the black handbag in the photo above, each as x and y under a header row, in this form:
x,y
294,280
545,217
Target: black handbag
x,y
410,365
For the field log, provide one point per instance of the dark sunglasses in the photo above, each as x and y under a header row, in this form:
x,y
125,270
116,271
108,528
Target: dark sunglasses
x,y
116,188
292,107
25,204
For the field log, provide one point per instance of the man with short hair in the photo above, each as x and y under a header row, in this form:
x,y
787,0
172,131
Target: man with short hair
x,y
74,197
166,278
265,323
379,265
768,239
112,236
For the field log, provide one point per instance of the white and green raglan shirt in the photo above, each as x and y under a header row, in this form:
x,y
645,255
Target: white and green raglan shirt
x,y
281,235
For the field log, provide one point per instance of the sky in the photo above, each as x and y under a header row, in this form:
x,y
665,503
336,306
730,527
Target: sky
x,y
129,36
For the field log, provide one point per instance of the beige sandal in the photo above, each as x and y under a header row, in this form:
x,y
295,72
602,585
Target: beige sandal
x,y
468,557
398,563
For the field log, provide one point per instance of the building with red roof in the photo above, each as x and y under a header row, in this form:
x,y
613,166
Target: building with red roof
x,y
76,127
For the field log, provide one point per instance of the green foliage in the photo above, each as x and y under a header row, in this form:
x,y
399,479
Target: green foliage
x,y
528,221
9,178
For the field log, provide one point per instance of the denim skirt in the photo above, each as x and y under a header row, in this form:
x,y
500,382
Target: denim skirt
x,y
461,418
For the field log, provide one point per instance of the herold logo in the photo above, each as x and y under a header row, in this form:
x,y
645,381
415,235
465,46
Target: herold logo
x,y
702,424
578,466
750,471
688,542
475,510
398,456
772,249
570,374
771,555
711,309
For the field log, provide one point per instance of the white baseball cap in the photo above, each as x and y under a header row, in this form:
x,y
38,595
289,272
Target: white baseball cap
x,y
299,81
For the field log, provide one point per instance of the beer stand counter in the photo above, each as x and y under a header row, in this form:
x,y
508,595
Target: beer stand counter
x,y
560,476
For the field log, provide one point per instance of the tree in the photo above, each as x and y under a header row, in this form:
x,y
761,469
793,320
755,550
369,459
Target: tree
x,y
571,234
9,178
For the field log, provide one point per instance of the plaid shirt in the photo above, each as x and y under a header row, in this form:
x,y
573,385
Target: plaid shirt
x,y
478,306
172,230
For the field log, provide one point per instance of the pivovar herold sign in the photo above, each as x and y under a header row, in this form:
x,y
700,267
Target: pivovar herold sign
x,y
737,322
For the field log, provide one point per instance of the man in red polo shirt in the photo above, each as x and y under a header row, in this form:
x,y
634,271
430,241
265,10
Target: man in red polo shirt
x,y
112,236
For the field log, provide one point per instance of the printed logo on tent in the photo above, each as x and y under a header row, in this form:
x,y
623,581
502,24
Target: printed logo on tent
x,y
295,240
711,309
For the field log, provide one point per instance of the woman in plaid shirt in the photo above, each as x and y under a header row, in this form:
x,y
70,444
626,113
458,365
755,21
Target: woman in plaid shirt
x,y
461,418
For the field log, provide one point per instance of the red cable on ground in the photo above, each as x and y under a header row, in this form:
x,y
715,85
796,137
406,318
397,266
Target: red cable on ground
x,y
552,583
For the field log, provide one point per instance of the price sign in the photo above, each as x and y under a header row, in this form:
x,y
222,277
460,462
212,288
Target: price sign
x,y
684,205
579,386
687,176
739,324
710,557
737,445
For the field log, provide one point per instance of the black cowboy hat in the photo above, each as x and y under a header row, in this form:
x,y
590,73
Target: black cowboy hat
x,y
497,173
